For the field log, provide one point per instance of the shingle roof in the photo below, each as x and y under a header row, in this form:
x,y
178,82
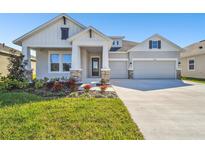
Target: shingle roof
x,y
197,48
126,45
6,49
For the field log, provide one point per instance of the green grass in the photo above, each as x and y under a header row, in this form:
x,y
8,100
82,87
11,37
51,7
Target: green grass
x,y
25,116
194,79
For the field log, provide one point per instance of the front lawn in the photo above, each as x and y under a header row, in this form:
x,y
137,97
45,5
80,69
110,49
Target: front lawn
x,y
194,79
27,116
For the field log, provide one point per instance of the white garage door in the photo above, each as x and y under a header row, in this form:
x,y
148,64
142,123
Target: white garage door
x,y
154,69
118,69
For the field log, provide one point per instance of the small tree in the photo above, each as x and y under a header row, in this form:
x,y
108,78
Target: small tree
x,y
16,66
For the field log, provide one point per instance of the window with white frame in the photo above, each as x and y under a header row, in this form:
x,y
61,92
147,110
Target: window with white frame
x,y
154,44
66,60
191,64
60,62
54,62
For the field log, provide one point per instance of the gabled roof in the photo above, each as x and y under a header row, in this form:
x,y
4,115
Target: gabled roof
x,y
18,40
162,38
6,49
194,49
126,45
86,30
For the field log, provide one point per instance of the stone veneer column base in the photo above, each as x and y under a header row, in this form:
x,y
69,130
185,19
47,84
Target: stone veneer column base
x,y
105,75
130,74
76,74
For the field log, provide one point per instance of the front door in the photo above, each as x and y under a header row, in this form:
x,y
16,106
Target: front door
x,y
95,66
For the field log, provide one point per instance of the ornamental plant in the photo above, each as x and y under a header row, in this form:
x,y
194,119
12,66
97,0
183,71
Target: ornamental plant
x,y
72,84
57,86
103,88
87,87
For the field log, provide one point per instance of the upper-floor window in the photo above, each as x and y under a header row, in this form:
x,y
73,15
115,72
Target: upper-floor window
x,y
64,33
155,44
191,64
116,43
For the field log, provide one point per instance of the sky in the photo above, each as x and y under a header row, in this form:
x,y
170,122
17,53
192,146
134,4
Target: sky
x,y
182,29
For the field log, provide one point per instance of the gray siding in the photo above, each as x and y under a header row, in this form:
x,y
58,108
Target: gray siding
x,y
42,64
154,54
118,55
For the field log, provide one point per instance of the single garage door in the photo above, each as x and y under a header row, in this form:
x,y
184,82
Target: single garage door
x,y
154,69
118,69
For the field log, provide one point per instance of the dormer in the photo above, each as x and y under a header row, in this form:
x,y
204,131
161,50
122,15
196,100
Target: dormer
x,y
117,41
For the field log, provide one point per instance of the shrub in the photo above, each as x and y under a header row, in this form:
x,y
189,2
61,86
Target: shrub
x,y
9,84
57,86
16,66
87,87
72,84
103,81
49,85
39,84
103,88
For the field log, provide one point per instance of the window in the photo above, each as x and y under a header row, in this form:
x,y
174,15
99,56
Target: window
x,y
155,44
113,43
117,42
191,64
60,62
64,33
66,62
54,63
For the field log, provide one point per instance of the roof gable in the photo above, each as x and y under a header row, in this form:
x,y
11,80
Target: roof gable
x,y
167,45
78,35
19,40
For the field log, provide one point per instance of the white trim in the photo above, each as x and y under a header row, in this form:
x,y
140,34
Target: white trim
x,y
157,59
87,29
18,40
161,37
192,58
118,59
118,52
99,65
60,53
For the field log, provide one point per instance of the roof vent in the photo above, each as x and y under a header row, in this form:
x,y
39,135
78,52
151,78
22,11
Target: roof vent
x,y
200,47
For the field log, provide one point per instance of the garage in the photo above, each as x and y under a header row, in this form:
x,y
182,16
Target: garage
x,y
118,70
154,69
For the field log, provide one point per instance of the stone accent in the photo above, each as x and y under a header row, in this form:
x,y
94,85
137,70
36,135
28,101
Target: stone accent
x,y
178,74
76,74
105,75
130,74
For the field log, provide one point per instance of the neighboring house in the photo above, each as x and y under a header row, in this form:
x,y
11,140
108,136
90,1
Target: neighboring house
x,y
4,61
193,60
66,48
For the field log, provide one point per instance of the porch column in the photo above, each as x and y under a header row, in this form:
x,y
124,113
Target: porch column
x,y
76,62
105,71
27,59
105,59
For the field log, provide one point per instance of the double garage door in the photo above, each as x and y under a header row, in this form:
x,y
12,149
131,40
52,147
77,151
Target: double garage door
x,y
154,69
147,69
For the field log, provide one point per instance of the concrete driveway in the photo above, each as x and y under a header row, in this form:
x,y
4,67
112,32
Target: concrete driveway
x,y
165,109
